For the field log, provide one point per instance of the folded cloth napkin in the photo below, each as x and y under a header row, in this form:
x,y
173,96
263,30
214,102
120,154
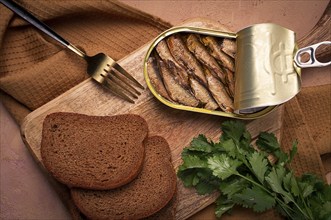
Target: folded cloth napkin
x,y
35,69
315,103
297,126
315,106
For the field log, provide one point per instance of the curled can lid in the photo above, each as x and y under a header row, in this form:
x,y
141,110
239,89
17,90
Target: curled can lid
x,y
265,71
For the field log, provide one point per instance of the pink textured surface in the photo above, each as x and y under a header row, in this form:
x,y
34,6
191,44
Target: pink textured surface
x,y
25,192
299,16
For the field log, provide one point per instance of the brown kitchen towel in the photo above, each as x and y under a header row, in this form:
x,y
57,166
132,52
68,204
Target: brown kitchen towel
x,y
295,129
315,104
35,69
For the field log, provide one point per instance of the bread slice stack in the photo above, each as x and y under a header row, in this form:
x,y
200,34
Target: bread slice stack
x,y
113,168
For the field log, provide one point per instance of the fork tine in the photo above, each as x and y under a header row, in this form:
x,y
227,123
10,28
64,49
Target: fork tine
x,y
110,76
125,73
112,86
124,80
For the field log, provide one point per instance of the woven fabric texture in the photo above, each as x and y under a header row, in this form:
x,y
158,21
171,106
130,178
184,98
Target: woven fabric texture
x,y
35,69
315,103
295,129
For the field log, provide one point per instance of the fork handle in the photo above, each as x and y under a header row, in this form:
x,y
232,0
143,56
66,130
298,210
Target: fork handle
x,y
34,21
40,25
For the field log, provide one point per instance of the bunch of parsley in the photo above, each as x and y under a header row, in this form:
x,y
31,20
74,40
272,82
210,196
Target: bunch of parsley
x,y
244,176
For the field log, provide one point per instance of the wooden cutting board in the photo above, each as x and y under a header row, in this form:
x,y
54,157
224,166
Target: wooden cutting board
x,y
176,126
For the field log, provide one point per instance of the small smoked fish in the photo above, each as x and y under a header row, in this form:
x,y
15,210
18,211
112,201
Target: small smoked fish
x,y
202,94
229,47
181,77
202,54
163,51
219,92
155,77
175,90
217,53
184,57
230,81
180,73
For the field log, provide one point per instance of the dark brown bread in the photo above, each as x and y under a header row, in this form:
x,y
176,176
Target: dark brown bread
x,y
154,187
166,213
93,152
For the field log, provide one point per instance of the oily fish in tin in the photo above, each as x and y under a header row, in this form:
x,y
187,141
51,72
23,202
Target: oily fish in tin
x,y
194,70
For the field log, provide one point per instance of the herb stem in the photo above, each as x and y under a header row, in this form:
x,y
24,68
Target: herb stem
x,y
265,189
299,208
278,200
285,209
255,183
284,204
306,207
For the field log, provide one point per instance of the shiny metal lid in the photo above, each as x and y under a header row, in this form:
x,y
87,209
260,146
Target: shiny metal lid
x,y
266,74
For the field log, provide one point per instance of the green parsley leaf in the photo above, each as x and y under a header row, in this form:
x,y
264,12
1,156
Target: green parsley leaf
x,y
259,165
230,147
233,130
306,189
255,198
274,178
290,184
204,187
325,211
244,144
234,185
223,166
326,192
282,157
188,177
201,143
193,161
244,176
267,142
223,205
207,182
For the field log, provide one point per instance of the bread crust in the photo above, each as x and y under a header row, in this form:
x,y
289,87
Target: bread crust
x,y
93,152
152,190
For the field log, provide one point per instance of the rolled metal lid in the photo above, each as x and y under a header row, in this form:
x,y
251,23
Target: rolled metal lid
x,y
266,74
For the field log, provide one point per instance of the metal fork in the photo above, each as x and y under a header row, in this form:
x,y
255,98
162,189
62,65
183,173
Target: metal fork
x,y
100,67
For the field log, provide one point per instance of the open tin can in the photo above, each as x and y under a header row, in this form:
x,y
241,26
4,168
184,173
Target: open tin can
x,y
266,74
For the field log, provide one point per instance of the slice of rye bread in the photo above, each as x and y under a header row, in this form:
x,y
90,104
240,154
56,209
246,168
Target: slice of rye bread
x,y
154,187
93,152
166,213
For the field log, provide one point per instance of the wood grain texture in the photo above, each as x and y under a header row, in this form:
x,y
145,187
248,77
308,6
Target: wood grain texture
x,y
176,126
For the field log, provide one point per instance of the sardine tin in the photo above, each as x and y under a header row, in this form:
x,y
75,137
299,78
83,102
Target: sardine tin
x,y
267,46
265,69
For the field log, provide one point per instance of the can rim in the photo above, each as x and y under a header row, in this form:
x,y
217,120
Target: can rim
x,y
196,30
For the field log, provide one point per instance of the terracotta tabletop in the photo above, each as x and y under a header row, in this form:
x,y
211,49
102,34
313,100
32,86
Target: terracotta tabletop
x,y
26,193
